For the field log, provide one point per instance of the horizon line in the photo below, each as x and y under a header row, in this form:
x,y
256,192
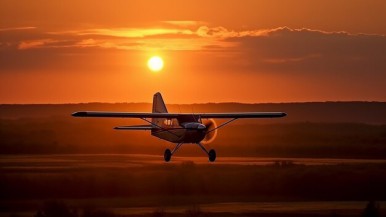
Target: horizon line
x,y
202,103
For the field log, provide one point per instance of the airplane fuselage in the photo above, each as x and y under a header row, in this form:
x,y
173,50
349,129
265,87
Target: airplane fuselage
x,y
189,132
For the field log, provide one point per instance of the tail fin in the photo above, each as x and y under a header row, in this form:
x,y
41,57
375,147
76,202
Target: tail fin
x,y
158,107
158,104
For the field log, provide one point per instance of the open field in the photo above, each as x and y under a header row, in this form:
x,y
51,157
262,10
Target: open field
x,y
314,208
64,162
130,185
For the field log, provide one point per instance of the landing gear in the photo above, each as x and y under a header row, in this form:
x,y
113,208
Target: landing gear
x,y
167,155
212,155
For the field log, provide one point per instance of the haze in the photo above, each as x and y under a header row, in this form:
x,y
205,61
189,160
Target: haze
x,y
216,51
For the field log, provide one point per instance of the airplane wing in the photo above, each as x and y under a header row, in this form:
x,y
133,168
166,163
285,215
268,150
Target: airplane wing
x,y
243,115
123,114
179,115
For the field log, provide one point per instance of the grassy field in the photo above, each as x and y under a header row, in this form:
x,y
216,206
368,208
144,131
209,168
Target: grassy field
x,y
143,185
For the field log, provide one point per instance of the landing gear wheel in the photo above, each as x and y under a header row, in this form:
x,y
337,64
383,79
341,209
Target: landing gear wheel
x,y
167,155
212,155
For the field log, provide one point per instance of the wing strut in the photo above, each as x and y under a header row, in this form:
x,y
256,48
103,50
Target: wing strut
x,y
222,125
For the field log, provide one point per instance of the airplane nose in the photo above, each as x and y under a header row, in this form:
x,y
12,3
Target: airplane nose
x,y
201,127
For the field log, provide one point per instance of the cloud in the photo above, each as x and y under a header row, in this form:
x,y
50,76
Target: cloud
x,y
30,44
127,33
184,23
284,49
17,28
276,50
176,35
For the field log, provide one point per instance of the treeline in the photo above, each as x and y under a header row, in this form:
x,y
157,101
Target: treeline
x,y
63,135
330,129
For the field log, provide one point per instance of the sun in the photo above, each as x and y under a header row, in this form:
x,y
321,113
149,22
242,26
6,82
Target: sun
x,y
155,63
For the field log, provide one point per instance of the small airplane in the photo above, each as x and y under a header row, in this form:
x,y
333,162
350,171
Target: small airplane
x,y
179,128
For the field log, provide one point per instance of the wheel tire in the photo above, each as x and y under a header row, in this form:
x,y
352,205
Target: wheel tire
x,y
167,155
212,155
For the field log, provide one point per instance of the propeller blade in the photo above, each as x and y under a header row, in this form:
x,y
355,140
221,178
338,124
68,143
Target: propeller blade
x,y
210,125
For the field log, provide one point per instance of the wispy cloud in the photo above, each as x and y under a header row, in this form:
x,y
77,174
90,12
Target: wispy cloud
x,y
127,32
181,35
185,23
30,44
17,28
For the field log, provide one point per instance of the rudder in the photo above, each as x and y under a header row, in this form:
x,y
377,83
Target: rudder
x,y
158,107
158,104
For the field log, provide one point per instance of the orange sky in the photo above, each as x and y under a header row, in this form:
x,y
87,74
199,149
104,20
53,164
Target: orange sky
x,y
214,51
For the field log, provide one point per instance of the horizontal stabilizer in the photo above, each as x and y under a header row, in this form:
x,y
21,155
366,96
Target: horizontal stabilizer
x,y
134,127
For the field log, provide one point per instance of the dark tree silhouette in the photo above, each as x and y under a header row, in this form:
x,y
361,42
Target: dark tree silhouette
x,y
56,209
371,210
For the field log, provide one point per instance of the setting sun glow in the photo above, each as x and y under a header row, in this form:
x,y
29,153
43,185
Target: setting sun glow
x,y
155,63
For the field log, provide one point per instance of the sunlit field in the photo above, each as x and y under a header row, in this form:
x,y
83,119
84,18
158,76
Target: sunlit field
x,y
129,185
122,161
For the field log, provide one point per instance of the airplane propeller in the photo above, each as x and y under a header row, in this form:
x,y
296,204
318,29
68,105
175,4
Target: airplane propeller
x,y
211,131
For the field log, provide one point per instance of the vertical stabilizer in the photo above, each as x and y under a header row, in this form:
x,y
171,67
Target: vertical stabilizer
x,y
158,107
158,104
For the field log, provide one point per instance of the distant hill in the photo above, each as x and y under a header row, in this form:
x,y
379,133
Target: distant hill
x,y
327,112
